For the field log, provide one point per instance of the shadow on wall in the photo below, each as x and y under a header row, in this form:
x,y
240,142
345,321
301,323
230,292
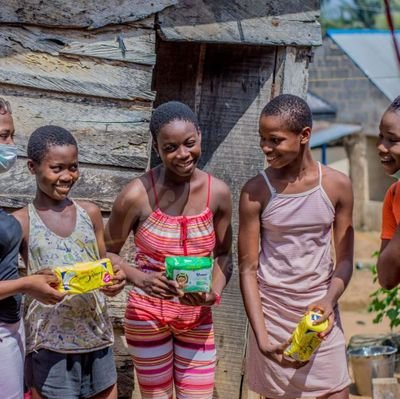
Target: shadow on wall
x,y
219,81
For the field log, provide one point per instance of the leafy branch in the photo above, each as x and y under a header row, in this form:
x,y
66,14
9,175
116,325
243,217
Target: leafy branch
x,y
386,303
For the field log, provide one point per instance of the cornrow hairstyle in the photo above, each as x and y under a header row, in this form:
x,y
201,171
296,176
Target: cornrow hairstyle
x,y
293,110
395,105
46,136
168,112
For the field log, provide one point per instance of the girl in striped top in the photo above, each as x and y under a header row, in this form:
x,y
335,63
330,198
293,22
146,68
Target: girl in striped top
x,y
173,210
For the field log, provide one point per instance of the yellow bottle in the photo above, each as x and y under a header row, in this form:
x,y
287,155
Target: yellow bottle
x,y
305,339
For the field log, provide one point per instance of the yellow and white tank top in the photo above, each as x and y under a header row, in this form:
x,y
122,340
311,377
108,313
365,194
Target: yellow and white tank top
x,y
79,323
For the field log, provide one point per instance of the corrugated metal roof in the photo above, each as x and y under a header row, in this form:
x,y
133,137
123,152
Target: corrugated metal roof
x,y
331,133
373,52
319,106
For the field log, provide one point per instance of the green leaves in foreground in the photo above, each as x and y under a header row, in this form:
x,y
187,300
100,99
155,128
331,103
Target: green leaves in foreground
x,y
386,303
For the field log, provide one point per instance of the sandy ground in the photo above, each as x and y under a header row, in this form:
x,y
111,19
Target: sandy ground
x,y
354,302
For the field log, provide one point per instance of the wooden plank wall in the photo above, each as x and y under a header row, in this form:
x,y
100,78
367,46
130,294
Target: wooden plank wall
x,y
51,77
92,72
56,68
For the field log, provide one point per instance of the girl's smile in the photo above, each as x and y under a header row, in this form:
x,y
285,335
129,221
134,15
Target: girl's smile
x,y
179,147
389,142
57,172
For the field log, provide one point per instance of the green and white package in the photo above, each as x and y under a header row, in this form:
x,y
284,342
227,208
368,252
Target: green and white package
x,y
193,274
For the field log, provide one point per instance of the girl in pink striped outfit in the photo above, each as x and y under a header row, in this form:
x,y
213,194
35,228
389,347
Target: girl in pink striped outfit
x,y
288,214
173,210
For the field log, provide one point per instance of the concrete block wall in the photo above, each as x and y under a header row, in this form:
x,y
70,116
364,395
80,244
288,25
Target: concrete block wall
x,y
337,79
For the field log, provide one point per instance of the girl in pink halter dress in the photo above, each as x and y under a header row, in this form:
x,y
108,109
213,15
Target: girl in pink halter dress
x,y
293,271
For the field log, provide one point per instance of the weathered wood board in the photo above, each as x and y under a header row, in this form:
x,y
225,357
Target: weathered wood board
x,y
292,71
81,14
82,77
115,62
128,44
248,22
106,134
385,388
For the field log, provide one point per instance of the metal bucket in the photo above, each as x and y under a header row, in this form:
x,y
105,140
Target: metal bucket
x,y
370,362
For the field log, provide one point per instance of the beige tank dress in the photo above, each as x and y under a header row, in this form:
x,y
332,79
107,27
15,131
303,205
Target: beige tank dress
x,y
295,269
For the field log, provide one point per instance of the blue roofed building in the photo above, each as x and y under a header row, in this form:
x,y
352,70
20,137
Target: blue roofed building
x,y
357,74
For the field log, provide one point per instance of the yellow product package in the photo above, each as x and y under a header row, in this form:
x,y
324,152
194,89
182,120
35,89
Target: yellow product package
x,y
84,276
305,339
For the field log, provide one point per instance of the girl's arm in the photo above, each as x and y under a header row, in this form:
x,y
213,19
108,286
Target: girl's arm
x,y
250,209
222,270
38,286
125,215
248,250
388,265
98,226
343,235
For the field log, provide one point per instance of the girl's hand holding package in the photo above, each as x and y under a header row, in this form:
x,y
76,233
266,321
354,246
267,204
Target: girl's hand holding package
x,y
325,307
199,298
157,285
118,279
40,286
275,353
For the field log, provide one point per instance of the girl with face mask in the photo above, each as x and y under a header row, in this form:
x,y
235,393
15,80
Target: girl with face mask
x,y
389,153
12,339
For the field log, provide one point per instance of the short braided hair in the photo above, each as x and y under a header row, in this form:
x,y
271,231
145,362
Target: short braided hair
x,y
395,105
294,111
168,112
46,136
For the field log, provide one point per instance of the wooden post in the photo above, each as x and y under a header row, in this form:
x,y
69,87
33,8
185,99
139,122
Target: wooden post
x,y
385,388
356,149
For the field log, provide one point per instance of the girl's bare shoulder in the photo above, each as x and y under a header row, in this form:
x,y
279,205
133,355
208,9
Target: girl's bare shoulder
x,y
219,187
134,193
337,185
334,178
22,215
256,191
90,207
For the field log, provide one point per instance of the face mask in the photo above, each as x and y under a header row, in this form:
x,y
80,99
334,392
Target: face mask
x,y
396,175
8,156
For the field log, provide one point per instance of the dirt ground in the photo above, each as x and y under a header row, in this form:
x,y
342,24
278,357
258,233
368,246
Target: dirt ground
x,y
354,302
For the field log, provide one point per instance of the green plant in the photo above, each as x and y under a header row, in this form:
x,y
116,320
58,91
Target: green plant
x,y
386,303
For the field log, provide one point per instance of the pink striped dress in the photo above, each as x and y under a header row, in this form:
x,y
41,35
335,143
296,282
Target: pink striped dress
x,y
295,269
171,344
